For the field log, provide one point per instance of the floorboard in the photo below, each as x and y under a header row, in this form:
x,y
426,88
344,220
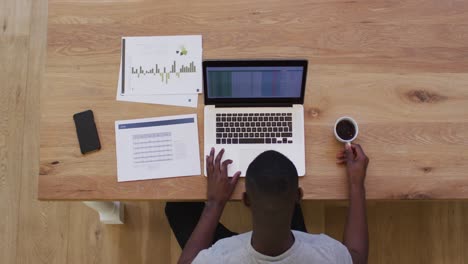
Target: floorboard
x,y
14,40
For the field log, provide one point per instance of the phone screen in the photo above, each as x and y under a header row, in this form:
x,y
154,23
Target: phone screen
x,y
86,131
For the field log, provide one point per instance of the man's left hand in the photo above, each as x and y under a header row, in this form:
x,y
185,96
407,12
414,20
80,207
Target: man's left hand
x,y
220,186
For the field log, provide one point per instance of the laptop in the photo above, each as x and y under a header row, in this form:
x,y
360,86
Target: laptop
x,y
255,106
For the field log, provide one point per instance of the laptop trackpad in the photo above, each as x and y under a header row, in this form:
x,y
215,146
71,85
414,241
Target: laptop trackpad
x,y
246,157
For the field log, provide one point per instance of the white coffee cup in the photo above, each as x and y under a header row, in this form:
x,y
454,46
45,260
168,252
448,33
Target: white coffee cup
x,y
352,121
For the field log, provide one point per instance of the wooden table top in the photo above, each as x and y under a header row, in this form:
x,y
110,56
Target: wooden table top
x,y
398,67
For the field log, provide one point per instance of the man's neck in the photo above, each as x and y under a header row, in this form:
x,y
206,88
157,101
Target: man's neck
x,y
273,239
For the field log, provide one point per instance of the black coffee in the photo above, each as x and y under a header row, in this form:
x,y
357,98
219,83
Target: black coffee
x,y
345,129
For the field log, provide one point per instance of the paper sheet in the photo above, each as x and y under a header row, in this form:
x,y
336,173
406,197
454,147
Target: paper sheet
x,y
153,148
161,65
189,100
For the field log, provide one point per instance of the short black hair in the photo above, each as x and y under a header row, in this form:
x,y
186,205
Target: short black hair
x,y
271,174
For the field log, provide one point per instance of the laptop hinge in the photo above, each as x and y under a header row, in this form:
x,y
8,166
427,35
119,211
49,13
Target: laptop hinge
x,y
254,105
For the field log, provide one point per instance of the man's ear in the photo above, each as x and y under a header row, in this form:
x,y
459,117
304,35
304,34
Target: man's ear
x,y
300,194
245,199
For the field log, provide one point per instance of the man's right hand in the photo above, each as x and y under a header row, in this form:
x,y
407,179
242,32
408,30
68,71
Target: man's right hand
x,y
356,163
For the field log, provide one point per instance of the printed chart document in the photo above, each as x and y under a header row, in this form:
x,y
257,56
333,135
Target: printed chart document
x,y
188,100
153,148
161,70
161,65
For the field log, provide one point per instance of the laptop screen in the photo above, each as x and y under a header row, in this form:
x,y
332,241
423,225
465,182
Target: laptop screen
x,y
254,82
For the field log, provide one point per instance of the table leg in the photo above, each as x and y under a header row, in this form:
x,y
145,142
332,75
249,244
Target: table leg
x,y
109,212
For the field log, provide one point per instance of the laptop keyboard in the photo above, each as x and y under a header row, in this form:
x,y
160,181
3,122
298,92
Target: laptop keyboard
x,y
254,128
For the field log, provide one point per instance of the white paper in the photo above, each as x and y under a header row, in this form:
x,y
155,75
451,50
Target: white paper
x,y
153,148
162,65
189,100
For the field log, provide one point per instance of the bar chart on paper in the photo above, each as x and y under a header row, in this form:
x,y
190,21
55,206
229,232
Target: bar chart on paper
x,y
161,65
164,74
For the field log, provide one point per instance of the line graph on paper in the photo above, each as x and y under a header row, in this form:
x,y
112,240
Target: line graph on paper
x,y
152,148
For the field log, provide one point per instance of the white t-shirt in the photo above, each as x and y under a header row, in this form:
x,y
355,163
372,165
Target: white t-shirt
x,y
307,248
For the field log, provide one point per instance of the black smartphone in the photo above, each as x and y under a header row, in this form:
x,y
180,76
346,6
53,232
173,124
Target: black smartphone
x,y
86,131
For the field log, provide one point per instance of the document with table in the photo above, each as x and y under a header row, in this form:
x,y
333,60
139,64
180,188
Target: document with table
x,y
153,148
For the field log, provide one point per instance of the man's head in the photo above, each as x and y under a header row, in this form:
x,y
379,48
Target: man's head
x,y
271,184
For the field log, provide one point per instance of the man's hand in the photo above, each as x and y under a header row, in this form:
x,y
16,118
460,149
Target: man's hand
x,y
356,235
220,189
220,186
356,163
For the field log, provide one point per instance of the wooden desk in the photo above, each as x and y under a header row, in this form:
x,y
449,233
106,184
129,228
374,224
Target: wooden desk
x,y
398,67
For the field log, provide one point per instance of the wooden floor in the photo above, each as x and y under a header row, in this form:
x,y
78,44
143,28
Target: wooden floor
x,y
59,232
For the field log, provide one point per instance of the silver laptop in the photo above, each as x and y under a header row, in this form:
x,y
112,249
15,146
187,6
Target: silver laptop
x,y
254,106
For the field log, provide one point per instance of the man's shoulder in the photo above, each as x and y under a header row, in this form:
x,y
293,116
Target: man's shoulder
x,y
319,240
314,238
318,247
240,239
230,247
323,245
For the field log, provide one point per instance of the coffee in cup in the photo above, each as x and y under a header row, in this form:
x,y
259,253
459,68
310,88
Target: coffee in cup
x,y
346,129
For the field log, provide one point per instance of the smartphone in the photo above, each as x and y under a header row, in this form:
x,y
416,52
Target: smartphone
x,y
86,131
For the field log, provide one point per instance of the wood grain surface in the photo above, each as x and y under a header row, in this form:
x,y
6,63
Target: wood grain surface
x,y
31,231
398,67
42,227
68,232
14,40
422,232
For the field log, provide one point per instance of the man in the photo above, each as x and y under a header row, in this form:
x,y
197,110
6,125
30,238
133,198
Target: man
x,y
279,234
